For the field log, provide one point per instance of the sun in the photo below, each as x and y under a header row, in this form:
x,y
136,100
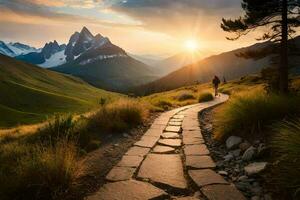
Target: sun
x,y
191,45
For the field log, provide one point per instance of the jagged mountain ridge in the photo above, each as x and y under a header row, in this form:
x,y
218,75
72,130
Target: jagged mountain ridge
x,y
15,49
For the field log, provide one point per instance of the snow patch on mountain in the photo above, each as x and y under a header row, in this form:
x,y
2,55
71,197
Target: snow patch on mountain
x,y
102,57
56,59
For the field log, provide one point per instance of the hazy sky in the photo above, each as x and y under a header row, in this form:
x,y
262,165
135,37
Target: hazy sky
x,y
154,27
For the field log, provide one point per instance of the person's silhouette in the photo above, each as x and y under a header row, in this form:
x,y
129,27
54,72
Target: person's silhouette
x,y
216,81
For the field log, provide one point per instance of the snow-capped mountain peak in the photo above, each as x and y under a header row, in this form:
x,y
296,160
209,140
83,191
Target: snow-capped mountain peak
x,y
16,49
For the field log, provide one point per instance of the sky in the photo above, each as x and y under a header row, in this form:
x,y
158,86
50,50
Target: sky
x,y
144,27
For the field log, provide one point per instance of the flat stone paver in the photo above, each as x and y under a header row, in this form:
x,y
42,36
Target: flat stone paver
x,y
120,174
170,135
192,140
222,192
176,129
125,190
164,168
163,149
199,162
137,151
170,142
147,141
197,149
153,133
191,134
174,123
130,161
204,177
176,120
178,117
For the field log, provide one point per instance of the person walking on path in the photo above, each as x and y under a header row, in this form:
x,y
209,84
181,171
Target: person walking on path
x,y
216,81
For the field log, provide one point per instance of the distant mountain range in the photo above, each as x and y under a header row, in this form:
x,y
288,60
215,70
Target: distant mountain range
x,y
226,65
95,59
16,49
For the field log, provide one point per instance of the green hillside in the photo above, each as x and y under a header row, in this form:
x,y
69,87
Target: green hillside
x,y
30,94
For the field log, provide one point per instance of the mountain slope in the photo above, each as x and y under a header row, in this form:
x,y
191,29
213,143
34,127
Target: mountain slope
x,y
29,94
226,65
101,63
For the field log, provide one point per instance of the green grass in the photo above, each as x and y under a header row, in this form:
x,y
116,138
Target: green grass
x,y
119,116
285,144
205,96
37,171
248,114
30,94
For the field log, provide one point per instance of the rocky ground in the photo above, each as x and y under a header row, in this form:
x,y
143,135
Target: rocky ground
x,y
237,160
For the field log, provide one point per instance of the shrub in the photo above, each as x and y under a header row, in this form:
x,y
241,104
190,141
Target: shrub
x,y
286,147
185,96
163,104
205,96
249,114
37,172
119,116
62,127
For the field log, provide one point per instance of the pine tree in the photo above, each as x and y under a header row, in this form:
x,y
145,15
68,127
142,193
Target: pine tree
x,y
279,17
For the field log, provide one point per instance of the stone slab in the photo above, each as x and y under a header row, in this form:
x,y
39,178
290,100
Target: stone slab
x,y
176,120
190,128
178,117
147,141
130,161
170,142
163,149
165,169
170,135
125,190
197,149
190,134
176,129
199,162
153,132
204,177
174,123
137,151
192,140
222,192
120,174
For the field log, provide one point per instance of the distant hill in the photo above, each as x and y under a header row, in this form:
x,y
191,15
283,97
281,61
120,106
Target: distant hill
x,y
226,65
177,61
29,93
101,63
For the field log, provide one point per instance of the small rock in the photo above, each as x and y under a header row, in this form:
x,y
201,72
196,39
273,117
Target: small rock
x,y
256,190
235,153
269,197
255,168
244,146
223,173
220,164
116,145
228,157
125,135
243,178
233,141
243,186
262,150
255,198
249,154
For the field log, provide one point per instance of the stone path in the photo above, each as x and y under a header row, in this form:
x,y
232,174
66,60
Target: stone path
x,y
171,161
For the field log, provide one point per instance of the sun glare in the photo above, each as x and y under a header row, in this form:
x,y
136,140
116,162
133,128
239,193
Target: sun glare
x,y
191,45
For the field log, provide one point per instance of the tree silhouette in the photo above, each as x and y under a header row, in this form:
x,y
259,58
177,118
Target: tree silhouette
x,y
279,17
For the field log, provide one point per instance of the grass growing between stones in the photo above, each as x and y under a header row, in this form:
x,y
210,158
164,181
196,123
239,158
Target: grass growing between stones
x,y
285,144
205,96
